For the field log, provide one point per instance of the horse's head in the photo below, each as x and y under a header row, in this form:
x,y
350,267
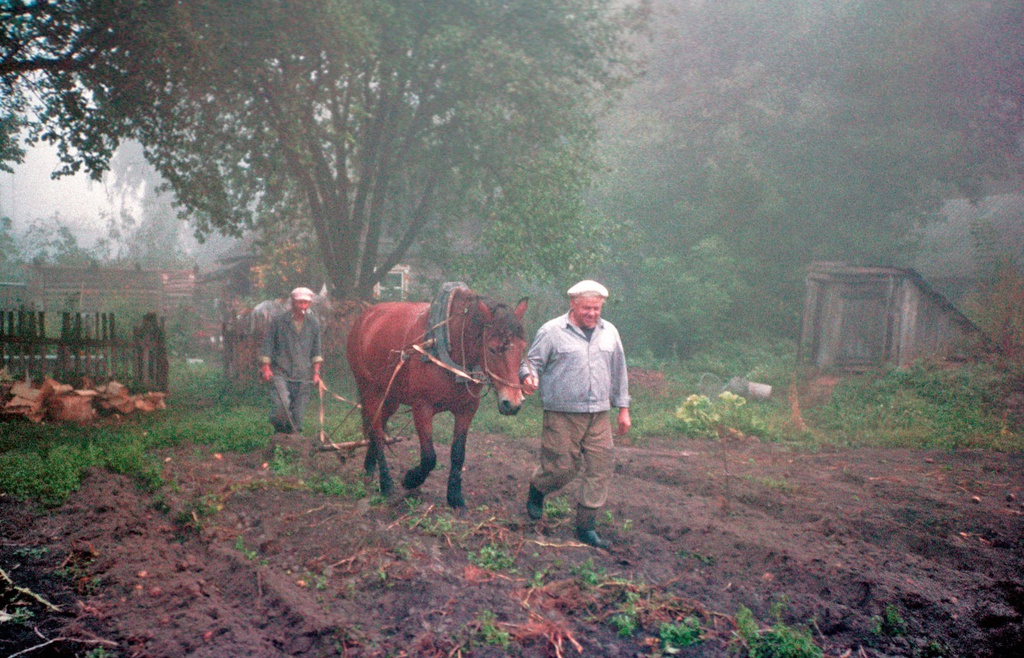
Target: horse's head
x,y
502,351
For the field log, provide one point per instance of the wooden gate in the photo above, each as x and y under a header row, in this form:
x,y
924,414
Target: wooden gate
x,y
87,346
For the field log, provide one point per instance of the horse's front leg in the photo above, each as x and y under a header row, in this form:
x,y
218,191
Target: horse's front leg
x,y
423,420
462,422
374,424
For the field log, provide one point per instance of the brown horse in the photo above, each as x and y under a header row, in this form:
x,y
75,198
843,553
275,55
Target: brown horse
x,y
385,354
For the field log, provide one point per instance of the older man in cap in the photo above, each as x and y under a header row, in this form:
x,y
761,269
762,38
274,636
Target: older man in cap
x,y
579,365
291,361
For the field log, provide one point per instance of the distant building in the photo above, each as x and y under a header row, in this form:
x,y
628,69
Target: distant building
x,y
856,317
394,287
96,288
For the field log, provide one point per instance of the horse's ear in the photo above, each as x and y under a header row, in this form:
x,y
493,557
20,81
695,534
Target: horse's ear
x,y
521,308
485,312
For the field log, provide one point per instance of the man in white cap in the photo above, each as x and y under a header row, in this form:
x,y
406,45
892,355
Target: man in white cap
x,y
579,365
291,360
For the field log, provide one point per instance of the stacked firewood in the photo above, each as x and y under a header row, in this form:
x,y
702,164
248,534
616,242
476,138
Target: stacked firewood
x,y
61,403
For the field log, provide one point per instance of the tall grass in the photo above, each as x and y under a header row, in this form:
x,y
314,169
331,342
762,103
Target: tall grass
x,y
925,406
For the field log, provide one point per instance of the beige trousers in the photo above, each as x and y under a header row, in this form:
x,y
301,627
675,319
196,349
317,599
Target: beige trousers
x,y
571,443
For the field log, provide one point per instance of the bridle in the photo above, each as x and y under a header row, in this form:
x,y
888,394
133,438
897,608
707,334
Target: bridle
x,y
492,378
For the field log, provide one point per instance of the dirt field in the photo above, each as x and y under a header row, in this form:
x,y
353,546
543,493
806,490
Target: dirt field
x,y
878,553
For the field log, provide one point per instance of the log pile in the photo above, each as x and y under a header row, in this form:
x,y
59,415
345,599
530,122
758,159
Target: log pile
x,y
61,403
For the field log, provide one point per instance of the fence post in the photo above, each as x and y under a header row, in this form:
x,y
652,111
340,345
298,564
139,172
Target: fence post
x,y
151,366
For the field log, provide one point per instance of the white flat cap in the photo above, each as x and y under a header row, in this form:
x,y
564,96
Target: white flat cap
x,y
588,288
302,293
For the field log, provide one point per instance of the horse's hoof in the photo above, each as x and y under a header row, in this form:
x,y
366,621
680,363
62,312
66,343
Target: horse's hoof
x,y
459,510
413,479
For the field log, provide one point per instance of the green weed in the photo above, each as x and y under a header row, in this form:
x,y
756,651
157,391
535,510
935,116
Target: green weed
x,y
557,507
193,517
436,525
493,558
34,553
684,634
100,652
623,623
21,615
779,641
250,554
336,486
588,574
924,406
285,462
889,624
489,631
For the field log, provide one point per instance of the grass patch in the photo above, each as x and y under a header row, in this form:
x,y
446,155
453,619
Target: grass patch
x,y
924,406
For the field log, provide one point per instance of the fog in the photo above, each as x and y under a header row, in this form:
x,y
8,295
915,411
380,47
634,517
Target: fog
x,y
31,193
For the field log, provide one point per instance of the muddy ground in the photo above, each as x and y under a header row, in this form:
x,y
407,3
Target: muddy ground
x,y
874,552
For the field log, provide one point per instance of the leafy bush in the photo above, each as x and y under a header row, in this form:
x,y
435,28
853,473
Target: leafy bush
x,y
779,641
708,418
704,286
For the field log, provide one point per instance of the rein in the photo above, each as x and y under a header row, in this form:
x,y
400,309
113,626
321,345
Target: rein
x,y
404,355
494,379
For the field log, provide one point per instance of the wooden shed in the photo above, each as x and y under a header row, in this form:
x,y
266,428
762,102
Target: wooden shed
x,y
856,317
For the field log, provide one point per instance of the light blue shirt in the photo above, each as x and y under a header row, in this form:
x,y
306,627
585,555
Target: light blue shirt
x,y
578,375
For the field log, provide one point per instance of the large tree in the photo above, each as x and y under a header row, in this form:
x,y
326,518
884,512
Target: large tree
x,y
372,124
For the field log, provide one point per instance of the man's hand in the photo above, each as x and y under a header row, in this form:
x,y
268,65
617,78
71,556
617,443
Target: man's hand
x,y
530,384
625,422
265,372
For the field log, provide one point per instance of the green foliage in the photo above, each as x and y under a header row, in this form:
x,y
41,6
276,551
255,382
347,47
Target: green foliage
x,y
623,623
997,308
588,574
924,406
805,133
557,507
684,634
48,475
701,416
336,486
489,631
779,641
681,304
758,359
285,462
890,623
493,557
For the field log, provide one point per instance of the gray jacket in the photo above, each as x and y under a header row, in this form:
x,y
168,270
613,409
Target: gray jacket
x,y
292,353
577,375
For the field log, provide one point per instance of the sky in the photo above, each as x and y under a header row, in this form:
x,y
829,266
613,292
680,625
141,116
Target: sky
x,y
30,194
82,203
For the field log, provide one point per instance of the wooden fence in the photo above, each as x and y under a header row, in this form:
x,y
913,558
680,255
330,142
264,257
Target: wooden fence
x,y
88,346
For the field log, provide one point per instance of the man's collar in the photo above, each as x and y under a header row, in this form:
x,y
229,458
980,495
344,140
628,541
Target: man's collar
x,y
569,323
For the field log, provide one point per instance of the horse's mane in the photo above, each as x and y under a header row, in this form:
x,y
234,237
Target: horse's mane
x,y
504,319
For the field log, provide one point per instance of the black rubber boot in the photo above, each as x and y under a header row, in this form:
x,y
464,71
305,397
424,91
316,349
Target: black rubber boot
x,y
535,504
586,520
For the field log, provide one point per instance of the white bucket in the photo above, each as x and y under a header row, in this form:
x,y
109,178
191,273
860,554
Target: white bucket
x,y
757,391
